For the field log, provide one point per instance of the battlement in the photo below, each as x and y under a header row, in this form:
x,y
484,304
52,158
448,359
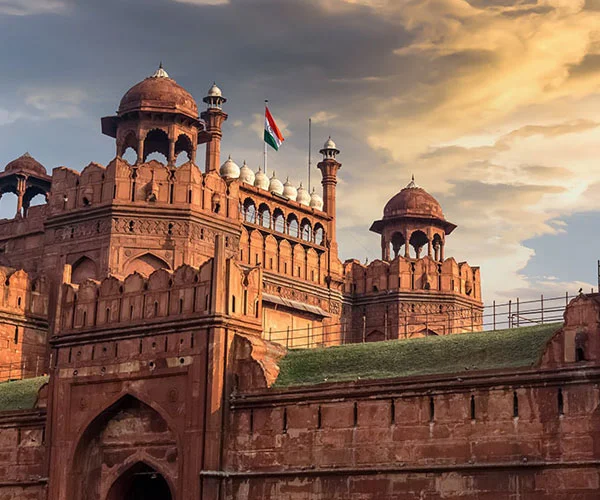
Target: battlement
x,y
20,294
424,274
214,288
151,182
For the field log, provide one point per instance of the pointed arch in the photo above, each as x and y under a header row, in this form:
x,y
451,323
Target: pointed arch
x,y
134,422
82,269
145,264
141,478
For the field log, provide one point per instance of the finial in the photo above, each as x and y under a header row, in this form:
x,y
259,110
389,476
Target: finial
x,y
160,66
413,177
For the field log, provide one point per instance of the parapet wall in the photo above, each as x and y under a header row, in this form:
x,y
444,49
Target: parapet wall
x,y
23,324
149,182
413,274
475,439
164,295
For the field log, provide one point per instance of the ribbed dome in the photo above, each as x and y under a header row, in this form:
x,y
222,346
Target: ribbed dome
x,y
289,190
413,201
275,185
214,91
230,169
159,93
28,163
246,174
303,196
261,180
329,144
315,200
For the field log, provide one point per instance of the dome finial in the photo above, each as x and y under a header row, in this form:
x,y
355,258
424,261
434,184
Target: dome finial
x,y
412,184
160,72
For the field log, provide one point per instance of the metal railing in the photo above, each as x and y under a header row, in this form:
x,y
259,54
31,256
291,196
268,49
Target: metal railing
x,y
27,368
495,316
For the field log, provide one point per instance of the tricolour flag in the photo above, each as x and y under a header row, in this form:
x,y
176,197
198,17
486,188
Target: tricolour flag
x,y
273,136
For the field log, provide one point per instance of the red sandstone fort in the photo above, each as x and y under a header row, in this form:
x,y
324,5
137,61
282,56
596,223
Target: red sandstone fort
x,y
187,331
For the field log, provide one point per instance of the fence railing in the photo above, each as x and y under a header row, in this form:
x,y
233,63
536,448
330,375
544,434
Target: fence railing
x,y
495,316
27,368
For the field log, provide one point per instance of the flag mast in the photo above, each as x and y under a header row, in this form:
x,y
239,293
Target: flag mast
x,y
309,147
265,143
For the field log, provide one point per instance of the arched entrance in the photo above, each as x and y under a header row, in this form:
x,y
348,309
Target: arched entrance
x,y
140,482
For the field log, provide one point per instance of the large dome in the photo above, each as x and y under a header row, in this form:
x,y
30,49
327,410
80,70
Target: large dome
x,y
159,93
413,201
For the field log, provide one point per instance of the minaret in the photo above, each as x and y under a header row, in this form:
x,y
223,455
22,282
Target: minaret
x,y
329,167
214,117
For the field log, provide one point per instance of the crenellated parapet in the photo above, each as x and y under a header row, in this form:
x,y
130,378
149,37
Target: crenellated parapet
x,y
402,274
23,324
151,184
164,295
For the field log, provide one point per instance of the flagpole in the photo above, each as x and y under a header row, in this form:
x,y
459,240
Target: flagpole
x,y
309,147
265,142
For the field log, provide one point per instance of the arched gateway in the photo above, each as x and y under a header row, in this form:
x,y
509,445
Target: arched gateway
x,y
140,482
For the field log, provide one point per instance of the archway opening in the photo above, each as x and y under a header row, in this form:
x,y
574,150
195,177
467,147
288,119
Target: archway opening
x,y
130,155
157,141
140,482
8,205
397,245
418,240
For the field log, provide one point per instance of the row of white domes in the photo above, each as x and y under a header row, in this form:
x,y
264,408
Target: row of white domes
x,y
230,170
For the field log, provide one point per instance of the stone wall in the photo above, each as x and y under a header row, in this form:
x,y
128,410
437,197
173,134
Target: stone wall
x,y
22,453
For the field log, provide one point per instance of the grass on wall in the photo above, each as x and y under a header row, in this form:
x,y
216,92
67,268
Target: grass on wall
x,y
20,394
500,349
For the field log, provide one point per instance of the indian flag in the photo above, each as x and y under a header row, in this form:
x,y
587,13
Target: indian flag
x,y
273,135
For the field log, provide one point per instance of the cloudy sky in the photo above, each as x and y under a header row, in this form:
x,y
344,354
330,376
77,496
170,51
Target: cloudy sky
x,y
494,105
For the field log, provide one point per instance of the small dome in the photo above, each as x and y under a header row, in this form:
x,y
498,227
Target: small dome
x,y
413,201
160,72
214,91
303,196
329,144
261,180
229,169
159,93
315,200
289,190
28,163
246,174
275,185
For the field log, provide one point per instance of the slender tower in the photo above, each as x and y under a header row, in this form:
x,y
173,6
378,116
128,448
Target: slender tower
x,y
329,167
214,116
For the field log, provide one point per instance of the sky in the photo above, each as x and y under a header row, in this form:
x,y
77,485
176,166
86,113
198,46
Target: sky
x,y
493,105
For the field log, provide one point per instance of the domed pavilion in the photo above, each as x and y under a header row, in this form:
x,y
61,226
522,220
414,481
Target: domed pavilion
x,y
412,219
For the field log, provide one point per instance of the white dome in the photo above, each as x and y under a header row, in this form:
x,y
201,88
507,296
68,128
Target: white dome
x,y
160,72
261,180
275,185
289,190
329,144
246,174
214,91
229,169
315,200
303,196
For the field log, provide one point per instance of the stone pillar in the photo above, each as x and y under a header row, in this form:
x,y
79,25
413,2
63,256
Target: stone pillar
x,y
171,157
140,150
406,244
21,188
